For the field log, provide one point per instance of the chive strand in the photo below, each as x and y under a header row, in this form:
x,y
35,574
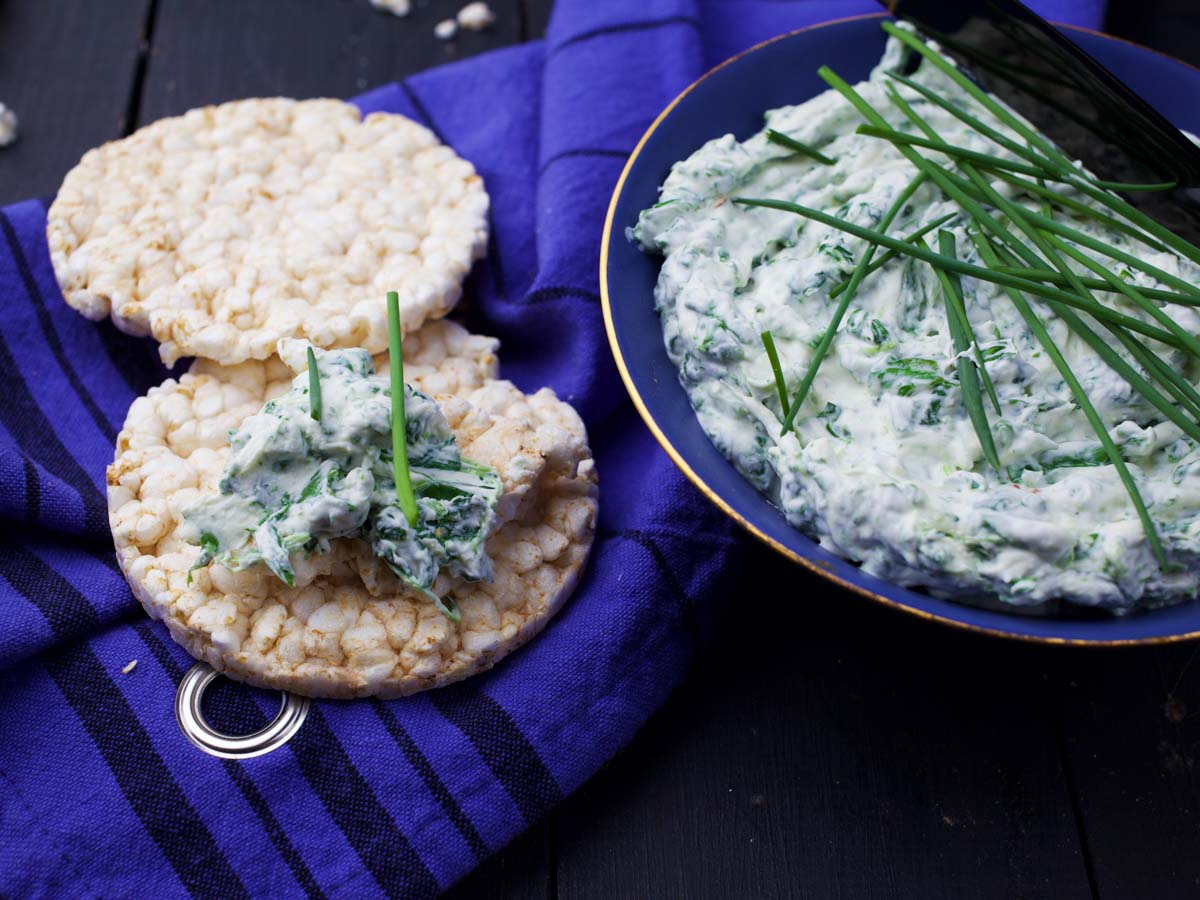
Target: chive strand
x,y
1096,284
314,385
968,372
773,358
860,272
940,146
1052,295
1039,330
783,140
886,258
946,245
404,489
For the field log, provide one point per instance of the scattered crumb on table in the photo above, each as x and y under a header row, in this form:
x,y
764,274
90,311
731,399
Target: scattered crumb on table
x,y
129,666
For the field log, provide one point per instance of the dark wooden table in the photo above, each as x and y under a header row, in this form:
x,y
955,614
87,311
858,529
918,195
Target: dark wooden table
x,y
823,747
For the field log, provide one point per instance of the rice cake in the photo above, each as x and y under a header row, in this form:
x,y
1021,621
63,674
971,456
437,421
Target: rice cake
x,y
349,628
225,229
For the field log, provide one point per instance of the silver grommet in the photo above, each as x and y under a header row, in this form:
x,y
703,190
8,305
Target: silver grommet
x,y
292,710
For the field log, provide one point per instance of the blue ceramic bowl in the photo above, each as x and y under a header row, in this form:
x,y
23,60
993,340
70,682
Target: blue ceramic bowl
x,y
732,98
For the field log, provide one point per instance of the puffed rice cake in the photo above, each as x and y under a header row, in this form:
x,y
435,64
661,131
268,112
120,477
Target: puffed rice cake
x,y
225,229
349,627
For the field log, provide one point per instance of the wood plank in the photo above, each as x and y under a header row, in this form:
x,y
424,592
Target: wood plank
x,y
66,68
521,871
827,747
537,16
299,48
1132,738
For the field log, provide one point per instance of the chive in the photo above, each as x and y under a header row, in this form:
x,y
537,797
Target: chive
x,y
314,386
1019,217
1052,295
447,606
773,357
978,124
1184,247
950,280
1128,290
882,261
778,137
404,490
1035,325
860,272
968,373
994,162
1096,284
1082,209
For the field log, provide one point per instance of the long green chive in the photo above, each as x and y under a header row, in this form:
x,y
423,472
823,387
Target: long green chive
x,y
1082,209
1055,296
404,489
1184,247
968,372
979,125
314,386
1039,330
950,282
1128,290
1096,284
987,159
773,358
778,137
882,261
860,272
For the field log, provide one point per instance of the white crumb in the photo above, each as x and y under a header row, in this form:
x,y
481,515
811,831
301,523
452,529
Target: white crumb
x,y
445,29
129,667
476,17
8,126
399,8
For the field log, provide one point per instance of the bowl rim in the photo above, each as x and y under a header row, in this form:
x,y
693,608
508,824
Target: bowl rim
x,y
818,567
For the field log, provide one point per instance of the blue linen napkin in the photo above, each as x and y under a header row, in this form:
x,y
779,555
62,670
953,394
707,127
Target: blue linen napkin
x,y
100,794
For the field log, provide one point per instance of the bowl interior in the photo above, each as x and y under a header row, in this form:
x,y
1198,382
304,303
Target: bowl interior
x,y
731,99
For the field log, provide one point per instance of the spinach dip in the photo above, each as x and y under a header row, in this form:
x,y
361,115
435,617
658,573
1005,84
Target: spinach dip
x,y
882,464
295,482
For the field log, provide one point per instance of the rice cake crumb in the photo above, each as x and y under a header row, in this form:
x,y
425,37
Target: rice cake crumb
x,y
445,30
400,8
476,17
129,667
8,126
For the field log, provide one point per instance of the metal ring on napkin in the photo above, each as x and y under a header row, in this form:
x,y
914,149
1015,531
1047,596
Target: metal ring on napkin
x,y
292,712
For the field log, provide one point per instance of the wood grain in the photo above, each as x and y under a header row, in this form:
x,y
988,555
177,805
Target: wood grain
x,y
66,68
825,747
221,50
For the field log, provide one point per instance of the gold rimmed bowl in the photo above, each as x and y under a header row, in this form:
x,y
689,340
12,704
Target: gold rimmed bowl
x,y
731,99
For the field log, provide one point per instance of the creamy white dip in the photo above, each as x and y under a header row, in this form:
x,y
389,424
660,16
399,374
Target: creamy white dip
x,y
883,466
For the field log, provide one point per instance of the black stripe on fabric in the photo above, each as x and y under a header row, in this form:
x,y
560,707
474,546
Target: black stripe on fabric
x,y
67,612
135,358
142,775
34,294
33,491
542,295
625,27
665,569
351,803
507,752
29,426
582,151
422,112
436,786
249,711
139,771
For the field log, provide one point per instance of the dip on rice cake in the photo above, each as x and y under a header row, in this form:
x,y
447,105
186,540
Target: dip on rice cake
x,y
224,230
349,625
